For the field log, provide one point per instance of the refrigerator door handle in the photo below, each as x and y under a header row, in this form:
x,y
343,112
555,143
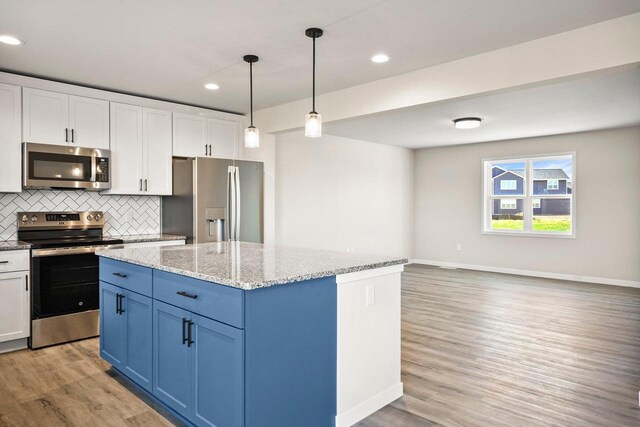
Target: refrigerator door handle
x,y
231,212
238,204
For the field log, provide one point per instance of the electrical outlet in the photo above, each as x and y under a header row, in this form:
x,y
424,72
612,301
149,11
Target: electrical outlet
x,y
459,246
371,295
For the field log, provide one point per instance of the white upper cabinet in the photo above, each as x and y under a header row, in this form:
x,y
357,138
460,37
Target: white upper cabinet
x,y
189,135
140,150
126,149
198,136
89,122
45,117
223,138
61,119
10,144
156,148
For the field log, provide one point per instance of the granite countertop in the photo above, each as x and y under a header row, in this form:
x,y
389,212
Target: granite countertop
x,y
141,238
249,265
13,245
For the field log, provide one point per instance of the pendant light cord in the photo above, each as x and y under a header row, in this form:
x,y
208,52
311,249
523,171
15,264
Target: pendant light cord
x,y
314,77
251,90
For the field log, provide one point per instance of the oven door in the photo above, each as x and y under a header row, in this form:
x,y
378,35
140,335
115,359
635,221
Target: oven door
x,y
57,166
65,280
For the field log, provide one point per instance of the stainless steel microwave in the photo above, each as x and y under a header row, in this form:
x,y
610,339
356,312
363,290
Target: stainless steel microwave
x,y
59,166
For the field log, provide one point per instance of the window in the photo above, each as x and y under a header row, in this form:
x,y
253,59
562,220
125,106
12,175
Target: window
x,y
508,184
524,196
508,203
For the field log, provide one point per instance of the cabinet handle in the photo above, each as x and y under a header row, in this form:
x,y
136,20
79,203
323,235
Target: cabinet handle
x,y
121,299
66,134
117,303
72,135
184,294
4,262
209,149
120,275
145,184
26,279
140,184
184,333
189,340
205,149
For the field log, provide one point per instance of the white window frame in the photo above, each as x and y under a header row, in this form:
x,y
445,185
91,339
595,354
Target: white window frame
x,y
488,197
504,187
536,203
553,187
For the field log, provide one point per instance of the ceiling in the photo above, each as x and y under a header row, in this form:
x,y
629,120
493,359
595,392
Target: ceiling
x,y
603,101
166,50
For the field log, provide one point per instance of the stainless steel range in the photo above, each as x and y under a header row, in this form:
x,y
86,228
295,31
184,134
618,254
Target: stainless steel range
x,y
64,273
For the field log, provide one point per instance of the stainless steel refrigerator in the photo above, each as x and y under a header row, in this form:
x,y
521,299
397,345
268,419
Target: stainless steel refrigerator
x,y
215,200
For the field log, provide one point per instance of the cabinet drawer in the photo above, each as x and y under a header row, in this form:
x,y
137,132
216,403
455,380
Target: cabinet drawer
x,y
14,260
211,300
128,276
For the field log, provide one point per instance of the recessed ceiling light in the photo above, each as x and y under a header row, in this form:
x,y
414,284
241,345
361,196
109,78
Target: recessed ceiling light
x,y
211,86
467,122
9,40
379,58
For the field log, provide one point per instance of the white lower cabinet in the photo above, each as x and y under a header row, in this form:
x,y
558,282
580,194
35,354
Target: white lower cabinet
x,y
140,150
14,295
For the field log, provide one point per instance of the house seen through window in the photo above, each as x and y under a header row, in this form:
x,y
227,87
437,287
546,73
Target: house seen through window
x,y
529,196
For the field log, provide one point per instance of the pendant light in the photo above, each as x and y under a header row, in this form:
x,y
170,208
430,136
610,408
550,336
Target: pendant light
x,y
313,120
251,134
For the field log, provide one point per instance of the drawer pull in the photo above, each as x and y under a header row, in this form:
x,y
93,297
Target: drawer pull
x,y
122,276
4,262
184,294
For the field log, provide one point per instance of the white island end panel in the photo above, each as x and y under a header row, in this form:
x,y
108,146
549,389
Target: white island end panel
x,y
368,363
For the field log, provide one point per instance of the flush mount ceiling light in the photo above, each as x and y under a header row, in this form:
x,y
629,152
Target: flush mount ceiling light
x,y
211,86
467,122
379,58
9,40
251,134
313,120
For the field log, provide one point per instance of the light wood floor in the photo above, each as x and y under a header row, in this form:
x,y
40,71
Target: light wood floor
x,y
479,349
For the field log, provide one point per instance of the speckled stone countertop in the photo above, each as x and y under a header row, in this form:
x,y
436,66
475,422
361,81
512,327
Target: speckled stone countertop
x,y
13,245
142,238
249,265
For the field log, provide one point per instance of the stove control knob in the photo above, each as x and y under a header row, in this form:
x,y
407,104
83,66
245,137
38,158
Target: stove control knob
x,y
98,217
24,219
89,217
34,218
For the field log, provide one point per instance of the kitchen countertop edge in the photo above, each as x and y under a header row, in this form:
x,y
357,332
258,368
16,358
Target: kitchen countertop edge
x,y
248,286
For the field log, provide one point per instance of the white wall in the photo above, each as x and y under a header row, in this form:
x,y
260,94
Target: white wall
x,y
607,245
338,193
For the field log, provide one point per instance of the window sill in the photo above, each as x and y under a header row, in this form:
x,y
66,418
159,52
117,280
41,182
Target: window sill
x,y
529,234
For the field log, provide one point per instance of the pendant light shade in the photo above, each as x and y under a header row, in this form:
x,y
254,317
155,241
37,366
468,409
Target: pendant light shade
x,y
252,137
251,134
313,120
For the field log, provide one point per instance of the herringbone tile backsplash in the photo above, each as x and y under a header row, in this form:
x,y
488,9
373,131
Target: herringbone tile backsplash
x,y
124,215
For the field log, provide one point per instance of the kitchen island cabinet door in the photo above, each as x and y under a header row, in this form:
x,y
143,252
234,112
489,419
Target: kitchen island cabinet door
x,y
138,332
172,355
112,326
218,360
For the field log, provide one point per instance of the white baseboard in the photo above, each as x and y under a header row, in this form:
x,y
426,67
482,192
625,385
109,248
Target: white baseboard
x,y
369,406
532,273
19,344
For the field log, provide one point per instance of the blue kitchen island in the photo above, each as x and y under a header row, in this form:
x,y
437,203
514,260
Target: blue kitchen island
x,y
243,334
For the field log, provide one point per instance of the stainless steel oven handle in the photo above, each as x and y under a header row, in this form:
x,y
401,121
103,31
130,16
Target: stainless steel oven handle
x,y
37,253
